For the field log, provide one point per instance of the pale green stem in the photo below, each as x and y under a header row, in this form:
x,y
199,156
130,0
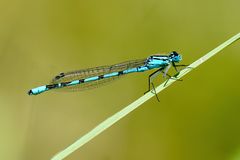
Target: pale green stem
x,y
117,116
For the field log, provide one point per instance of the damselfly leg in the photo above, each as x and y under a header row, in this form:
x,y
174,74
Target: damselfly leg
x,y
174,77
151,77
155,92
178,65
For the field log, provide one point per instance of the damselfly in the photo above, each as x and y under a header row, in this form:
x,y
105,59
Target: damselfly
x,y
94,77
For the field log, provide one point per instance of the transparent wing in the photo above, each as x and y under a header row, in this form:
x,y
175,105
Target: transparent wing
x,y
91,72
88,85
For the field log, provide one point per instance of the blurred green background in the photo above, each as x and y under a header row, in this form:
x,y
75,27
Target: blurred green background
x,y
196,119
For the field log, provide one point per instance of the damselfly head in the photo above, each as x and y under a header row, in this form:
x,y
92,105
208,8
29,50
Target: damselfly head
x,y
175,57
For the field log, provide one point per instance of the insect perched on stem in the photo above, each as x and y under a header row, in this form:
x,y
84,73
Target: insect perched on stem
x,y
94,77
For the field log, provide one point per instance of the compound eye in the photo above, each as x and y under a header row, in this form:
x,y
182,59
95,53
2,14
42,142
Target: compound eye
x,y
175,53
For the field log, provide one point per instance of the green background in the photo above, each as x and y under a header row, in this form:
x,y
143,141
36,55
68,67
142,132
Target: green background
x,y
197,119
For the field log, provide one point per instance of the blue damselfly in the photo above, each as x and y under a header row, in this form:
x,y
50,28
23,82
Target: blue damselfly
x,y
94,77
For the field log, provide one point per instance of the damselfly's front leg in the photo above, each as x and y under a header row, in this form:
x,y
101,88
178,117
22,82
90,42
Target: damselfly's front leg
x,y
178,65
174,77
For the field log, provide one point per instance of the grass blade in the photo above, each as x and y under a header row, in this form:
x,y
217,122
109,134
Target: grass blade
x,y
117,116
